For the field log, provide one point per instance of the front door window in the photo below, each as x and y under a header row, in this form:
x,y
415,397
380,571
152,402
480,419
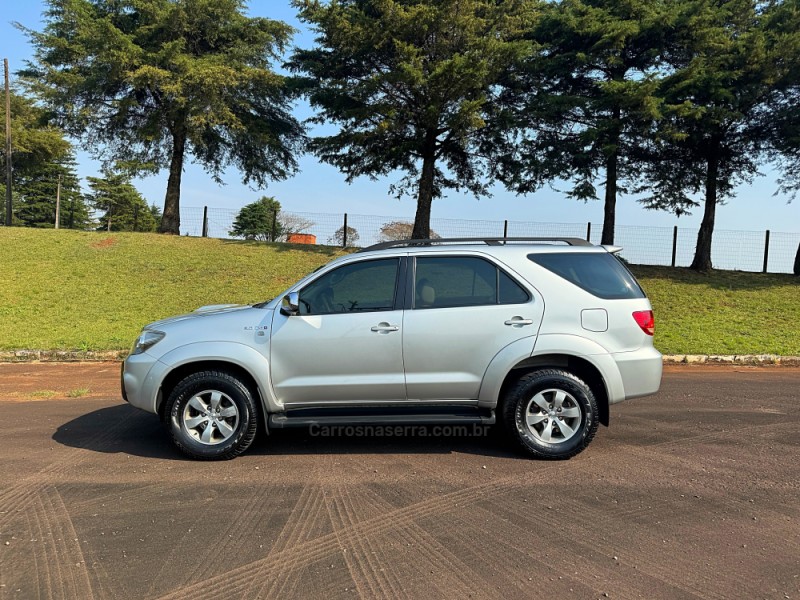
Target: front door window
x,y
367,286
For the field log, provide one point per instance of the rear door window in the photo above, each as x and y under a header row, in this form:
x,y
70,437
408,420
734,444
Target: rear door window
x,y
452,281
600,273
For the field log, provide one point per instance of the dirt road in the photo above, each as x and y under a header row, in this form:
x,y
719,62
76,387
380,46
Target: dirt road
x,y
692,493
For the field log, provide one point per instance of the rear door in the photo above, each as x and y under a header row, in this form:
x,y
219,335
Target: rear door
x,y
463,310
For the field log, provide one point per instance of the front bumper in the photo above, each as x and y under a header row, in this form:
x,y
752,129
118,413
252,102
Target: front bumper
x,y
122,380
141,380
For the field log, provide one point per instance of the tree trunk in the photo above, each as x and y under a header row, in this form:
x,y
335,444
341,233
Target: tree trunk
x,y
422,220
610,206
797,262
171,219
702,253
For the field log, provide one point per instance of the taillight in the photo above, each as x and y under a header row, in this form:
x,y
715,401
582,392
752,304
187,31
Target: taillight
x,y
645,320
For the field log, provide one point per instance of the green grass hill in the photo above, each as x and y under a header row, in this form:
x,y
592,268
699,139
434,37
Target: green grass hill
x,y
69,290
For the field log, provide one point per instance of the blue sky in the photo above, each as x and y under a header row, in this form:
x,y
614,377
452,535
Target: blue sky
x,y
321,188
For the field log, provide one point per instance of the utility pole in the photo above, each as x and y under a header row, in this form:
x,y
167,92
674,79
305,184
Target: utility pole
x,y
8,146
58,202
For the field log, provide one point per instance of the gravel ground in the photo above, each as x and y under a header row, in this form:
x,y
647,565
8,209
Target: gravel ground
x,y
692,493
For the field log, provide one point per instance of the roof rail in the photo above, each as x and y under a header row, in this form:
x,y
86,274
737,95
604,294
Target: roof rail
x,y
490,241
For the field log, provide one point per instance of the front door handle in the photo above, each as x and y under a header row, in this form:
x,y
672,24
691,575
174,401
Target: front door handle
x,y
384,328
519,322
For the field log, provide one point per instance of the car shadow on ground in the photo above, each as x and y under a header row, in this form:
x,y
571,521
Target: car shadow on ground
x,y
117,429
124,429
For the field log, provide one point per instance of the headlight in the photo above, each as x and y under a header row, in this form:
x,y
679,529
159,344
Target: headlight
x,y
147,339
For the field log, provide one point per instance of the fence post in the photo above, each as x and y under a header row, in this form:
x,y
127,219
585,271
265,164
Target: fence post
x,y
274,225
589,231
205,221
505,228
674,244
766,251
58,204
344,232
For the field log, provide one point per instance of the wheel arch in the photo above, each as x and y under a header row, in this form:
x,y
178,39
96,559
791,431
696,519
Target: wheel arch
x,y
177,374
578,366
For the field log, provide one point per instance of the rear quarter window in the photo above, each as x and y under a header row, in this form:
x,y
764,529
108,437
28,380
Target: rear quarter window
x,y
600,273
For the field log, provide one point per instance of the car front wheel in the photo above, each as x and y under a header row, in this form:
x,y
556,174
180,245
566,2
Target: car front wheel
x,y
212,416
551,414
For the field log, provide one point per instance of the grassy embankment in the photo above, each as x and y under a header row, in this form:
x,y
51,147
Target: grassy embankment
x,y
66,290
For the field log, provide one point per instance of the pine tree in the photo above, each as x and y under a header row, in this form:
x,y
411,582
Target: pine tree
x,y
37,189
726,69
36,147
121,205
582,102
145,83
410,83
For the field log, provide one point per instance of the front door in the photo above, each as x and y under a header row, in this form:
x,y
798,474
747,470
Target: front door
x,y
345,346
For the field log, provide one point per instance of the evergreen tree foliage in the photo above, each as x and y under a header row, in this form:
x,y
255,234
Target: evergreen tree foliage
x,y
782,120
34,140
38,189
258,221
583,99
40,153
121,205
144,82
265,221
728,66
411,86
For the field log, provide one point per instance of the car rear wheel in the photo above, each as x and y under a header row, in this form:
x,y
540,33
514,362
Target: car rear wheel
x,y
212,416
551,414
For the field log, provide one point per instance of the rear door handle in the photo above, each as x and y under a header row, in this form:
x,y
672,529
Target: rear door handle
x,y
384,328
519,322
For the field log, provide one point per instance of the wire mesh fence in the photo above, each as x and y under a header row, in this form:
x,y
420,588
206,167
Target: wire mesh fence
x,y
732,250
739,250
685,245
783,249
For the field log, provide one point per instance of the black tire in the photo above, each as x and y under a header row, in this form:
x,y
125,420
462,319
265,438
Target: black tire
x,y
225,429
550,414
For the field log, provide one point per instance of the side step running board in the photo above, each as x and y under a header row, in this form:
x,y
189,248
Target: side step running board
x,y
316,416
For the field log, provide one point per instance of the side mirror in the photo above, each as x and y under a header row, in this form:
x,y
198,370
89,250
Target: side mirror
x,y
290,305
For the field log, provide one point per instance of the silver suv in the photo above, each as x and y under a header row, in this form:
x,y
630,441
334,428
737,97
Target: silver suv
x,y
542,334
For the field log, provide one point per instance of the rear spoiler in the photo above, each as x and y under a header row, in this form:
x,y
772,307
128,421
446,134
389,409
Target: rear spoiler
x,y
612,249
